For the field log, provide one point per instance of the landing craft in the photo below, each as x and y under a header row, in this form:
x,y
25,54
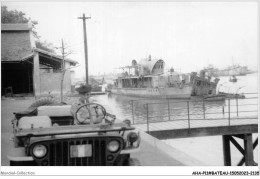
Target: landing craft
x,y
147,79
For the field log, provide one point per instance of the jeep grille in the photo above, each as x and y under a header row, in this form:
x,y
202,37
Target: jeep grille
x,y
59,152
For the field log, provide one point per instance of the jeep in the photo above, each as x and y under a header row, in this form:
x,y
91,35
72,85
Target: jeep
x,y
57,134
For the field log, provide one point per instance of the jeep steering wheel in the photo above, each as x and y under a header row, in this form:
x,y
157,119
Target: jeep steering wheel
x,y
90,113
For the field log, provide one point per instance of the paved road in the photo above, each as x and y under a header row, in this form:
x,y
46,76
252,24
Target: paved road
x,y
8,106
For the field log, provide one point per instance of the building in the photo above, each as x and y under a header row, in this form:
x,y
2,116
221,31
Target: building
x,y
26,69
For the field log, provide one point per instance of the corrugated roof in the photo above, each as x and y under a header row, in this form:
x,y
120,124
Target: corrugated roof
x,y
16,27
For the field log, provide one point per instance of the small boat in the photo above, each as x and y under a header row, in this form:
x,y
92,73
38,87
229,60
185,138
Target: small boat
x,y
217,97
232,95
233,79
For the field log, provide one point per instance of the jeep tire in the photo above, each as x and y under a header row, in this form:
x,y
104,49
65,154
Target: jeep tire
x,y
44,102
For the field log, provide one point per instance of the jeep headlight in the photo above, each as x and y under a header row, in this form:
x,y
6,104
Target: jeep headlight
x,y
113,146
132,137
39,151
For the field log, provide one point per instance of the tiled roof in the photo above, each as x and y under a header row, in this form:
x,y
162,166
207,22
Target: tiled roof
x,y
55,56
16,27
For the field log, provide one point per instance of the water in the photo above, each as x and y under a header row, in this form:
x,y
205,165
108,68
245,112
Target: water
x,y
208,150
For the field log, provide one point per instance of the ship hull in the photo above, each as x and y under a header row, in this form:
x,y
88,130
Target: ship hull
x,y
177,93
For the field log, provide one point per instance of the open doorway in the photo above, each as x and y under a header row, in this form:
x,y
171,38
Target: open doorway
x,y
17,77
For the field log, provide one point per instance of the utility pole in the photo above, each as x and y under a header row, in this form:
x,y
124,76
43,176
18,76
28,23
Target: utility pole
x,y
63,55
85,43
62,71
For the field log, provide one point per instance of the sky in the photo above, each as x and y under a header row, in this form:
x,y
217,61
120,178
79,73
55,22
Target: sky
x,y
188,36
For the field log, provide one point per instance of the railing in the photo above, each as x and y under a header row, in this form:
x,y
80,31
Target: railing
x,y
172,110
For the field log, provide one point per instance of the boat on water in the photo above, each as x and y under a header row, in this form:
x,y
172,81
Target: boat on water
x,y
233,79
236,70
148,79
232,95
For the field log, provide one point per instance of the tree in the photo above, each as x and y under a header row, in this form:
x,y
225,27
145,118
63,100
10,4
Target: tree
x,y
14,16
45,46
